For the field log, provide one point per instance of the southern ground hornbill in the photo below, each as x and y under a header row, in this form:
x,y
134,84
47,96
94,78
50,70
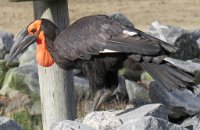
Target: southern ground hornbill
x,y
99,46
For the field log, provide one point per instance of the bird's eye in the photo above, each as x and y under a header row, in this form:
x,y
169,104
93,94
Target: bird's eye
x,y
33,30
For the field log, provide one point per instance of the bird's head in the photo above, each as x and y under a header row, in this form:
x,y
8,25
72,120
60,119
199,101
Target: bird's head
x,y
38,31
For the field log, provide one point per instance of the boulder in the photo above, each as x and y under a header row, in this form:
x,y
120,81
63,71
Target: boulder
x,y
178,103
134,90
137,102
146,78
197,78
166,33
32,81
28,57
102,120
150,123
192,123
156,110
188,47
14,63
131,74
187,41
188,66
70,125
196,35
121,90
8,124
6,42
131,71
22,79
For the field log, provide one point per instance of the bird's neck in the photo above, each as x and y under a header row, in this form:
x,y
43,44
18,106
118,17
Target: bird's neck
x,y
43,56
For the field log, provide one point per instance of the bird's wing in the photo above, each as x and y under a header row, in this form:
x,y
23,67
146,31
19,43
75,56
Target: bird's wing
x,y
132,44
84,38
139,43
94,35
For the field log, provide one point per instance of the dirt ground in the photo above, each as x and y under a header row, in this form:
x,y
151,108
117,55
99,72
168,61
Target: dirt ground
x,y
182,13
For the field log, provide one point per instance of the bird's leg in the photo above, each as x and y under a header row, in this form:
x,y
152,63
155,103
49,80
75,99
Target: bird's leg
x,y
100,96
102,81
106,90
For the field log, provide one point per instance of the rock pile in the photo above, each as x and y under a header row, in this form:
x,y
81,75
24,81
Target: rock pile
x,y
147,117
7,124
152,106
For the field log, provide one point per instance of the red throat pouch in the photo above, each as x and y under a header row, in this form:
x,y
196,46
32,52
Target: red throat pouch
x,y
42,55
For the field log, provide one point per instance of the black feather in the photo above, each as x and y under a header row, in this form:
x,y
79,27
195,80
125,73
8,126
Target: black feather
x,y
169,76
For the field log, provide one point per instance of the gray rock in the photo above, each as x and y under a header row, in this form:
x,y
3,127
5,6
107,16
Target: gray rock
x,y
146,78
132,74
15,81
8,124
188,47
121,89
134,90
178,103
166,33
197,79
196,35
137,102
187,41
198,42
156,110
6,42
76,72
32,81
14,63
150,123
102,120
188,66
28,57
70,125
131,71
192,123
123,20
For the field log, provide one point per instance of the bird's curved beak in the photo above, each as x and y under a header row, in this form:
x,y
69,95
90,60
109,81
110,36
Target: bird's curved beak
x,y
22,42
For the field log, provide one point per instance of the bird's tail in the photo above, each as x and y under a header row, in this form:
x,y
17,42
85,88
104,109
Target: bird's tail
x,y
170,76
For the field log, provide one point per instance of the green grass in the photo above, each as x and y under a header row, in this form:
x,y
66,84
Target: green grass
x,y
34,97
27,121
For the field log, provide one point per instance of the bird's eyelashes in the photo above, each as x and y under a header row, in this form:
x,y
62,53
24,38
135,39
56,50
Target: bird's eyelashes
x,y
33,30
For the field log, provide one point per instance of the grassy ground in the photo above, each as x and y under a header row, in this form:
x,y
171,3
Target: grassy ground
x,y
142,13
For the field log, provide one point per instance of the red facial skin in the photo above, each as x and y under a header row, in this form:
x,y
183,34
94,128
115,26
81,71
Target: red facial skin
x,y
42,55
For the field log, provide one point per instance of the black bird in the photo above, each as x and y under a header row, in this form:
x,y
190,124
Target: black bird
x,y
99,46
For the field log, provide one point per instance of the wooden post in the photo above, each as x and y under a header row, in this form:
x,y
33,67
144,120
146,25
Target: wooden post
x,y
56,85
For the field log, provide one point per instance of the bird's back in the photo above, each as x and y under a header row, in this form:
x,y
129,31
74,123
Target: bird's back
x,y
88,35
